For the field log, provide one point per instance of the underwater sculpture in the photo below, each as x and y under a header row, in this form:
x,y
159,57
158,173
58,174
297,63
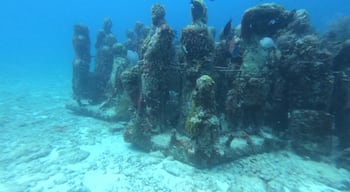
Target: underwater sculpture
x,y
98,92
195,136
135,37
153,87
198,50
282,83
81,62
197,39
205,104
202,123
341,93
337,38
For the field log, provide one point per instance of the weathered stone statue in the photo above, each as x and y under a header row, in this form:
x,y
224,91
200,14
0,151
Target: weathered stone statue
x,y
158,54
270,82
81,62
202,123
104,58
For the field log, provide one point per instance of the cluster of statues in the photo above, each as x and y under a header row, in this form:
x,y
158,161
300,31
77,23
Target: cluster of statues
x,y
270,83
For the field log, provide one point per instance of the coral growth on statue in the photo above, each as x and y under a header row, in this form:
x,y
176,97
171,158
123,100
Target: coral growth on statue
x,y
267,83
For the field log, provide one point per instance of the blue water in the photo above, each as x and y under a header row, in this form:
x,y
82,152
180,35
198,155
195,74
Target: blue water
x,y
36,55
38,33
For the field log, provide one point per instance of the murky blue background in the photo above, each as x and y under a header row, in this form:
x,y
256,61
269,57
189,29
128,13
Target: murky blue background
x,y
35,36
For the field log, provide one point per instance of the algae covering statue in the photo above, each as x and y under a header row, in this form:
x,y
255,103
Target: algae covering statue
x,y
158,54
202,123
197,39
197,48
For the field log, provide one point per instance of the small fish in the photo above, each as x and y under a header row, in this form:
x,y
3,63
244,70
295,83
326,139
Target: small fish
x,y
227,29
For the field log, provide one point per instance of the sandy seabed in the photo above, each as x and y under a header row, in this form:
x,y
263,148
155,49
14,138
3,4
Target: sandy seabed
x,y
45,147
